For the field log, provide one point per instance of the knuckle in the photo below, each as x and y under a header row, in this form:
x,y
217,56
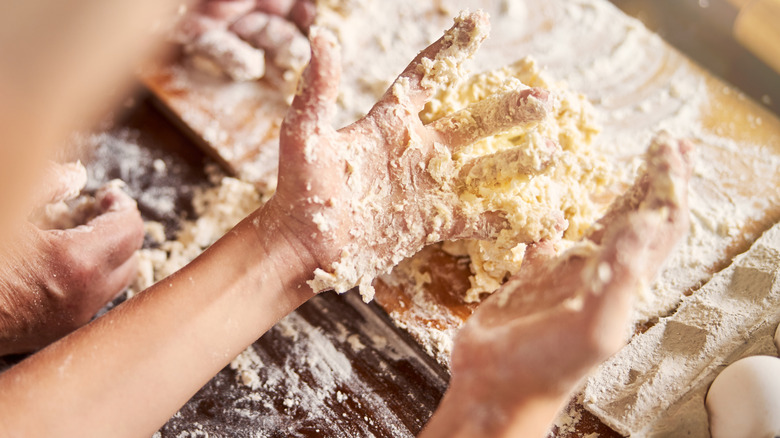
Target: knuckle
x,y
74,268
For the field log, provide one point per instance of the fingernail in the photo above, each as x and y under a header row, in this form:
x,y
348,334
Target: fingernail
x,y
111,197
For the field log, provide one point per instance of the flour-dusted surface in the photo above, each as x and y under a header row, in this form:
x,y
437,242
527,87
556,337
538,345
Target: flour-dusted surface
x,y
638,85
336,367
237,123
656,385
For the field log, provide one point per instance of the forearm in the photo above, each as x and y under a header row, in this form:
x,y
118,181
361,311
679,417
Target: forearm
x,y
127,372
468,413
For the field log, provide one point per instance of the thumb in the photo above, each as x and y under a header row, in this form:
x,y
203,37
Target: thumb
x,y
60,182
314,103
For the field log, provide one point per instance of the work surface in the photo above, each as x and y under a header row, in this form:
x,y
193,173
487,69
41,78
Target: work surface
x,y
637,82
336,367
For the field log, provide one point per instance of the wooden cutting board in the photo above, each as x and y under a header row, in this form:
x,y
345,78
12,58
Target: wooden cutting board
x,y
637,82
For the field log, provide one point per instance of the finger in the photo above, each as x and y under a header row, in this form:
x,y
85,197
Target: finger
x,y
548,224
669,166
225,51
102,289
314,104
113,236
276,7
303,14
521,109
539,252
633,250
485,227
192,26
439,63
119,279
662,183
250,27
61,182
622,266
507,164
276,36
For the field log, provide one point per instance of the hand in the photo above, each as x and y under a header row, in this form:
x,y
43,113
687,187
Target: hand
x,y
54,281
359,200
558,317
234,36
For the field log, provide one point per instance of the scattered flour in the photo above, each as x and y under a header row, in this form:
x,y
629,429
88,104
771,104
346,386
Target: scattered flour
x,y
638,86
657,384
217,209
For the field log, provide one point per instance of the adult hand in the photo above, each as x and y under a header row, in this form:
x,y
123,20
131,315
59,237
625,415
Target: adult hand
x,y
234,36
358,200
54,281
534,340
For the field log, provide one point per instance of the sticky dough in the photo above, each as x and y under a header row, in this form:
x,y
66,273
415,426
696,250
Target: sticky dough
x,y
566,189
540,189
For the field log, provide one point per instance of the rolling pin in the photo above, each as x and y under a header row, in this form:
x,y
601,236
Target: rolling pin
x,y
757,27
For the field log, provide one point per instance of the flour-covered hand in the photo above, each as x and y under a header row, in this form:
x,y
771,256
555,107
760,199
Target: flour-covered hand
x,y
362,198
237,37
560,316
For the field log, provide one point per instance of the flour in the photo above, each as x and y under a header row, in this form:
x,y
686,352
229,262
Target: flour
x,y
564,185
218,209
637,84
639,390
505,172
218,50
360,262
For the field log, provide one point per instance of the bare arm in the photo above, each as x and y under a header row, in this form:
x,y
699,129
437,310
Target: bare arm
x,y
126,373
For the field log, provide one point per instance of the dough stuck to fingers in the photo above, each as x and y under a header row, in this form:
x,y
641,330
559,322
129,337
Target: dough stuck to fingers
x,y
518,109
544,172
508,163
422,177
230,38
288,47
562,314
461,42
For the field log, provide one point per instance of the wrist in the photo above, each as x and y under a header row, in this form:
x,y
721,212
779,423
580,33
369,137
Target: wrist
x,y
288,256
469,410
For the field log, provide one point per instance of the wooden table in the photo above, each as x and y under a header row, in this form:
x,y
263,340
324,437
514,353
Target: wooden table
x,y
338,367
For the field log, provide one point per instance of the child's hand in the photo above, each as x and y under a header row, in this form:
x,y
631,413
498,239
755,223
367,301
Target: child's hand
x,y
558,317
360,199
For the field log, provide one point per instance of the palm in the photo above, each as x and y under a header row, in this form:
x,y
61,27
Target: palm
x,y
560,316
363,198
